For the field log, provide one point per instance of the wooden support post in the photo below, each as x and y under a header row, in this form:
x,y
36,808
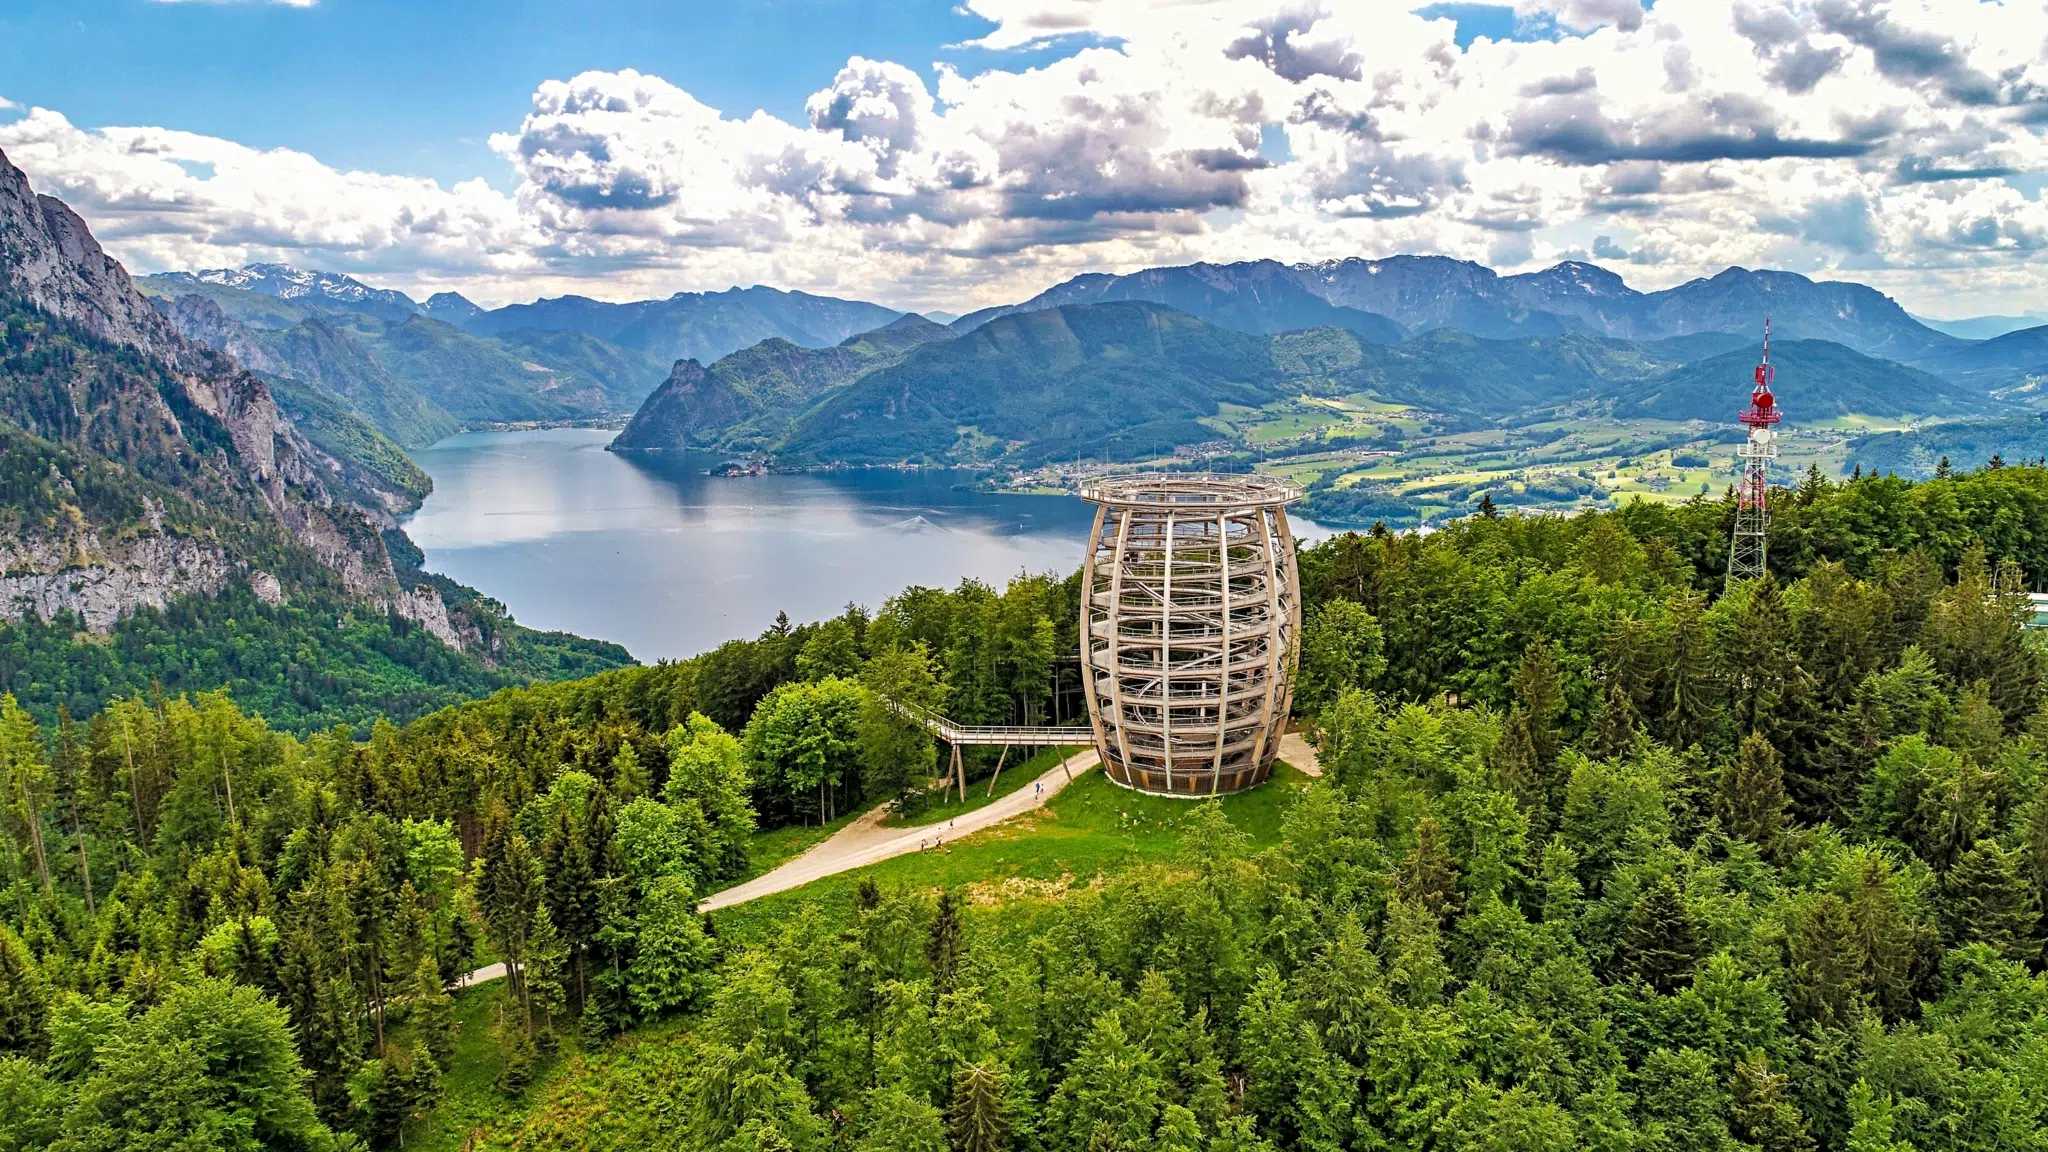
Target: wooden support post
x,y
960,773
1005,755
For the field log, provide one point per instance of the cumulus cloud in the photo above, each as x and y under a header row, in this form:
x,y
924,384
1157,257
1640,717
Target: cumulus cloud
x,y
1891,137
1626,15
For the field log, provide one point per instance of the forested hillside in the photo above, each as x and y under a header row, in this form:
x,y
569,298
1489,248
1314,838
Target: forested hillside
x,y
1964,444
1602,858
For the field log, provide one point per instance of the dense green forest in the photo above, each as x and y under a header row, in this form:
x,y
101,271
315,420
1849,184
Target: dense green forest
x,y
1603,858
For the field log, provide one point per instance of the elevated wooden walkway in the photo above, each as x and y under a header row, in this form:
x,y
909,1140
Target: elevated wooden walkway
x,y
1006,736
989,735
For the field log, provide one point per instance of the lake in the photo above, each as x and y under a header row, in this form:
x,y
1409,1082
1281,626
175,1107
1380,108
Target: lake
x,y
652,553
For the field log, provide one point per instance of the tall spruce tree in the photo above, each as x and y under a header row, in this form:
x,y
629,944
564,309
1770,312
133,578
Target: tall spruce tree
x,y
1659,942
508,891
1751,800
1615,733
1516,772
1827,964
1694,690
979,1119
1428,874
943,944
1539,689
1987,897
1759,1113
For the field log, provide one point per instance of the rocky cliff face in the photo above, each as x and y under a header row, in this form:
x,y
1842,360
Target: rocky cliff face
x,y
202,322
46,575
190,395
49,257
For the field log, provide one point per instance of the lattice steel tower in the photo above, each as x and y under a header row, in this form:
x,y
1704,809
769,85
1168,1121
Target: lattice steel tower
x,y
1752,492
1190,612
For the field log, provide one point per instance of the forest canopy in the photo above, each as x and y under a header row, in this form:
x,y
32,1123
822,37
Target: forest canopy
x,y
1603,856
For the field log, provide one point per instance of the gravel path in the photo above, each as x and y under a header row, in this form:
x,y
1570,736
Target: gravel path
x,y
866,840
1296,750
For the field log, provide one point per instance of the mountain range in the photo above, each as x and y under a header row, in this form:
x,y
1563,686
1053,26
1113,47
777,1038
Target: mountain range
x,y
693,325
1130,379
745,364
1386,299
146,471
1984,327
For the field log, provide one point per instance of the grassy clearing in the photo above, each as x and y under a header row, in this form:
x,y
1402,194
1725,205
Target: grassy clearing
x,y
1091,828
470,1099
578,1098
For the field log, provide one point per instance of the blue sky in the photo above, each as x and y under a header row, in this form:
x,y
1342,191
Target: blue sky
x,y
612,147
417,87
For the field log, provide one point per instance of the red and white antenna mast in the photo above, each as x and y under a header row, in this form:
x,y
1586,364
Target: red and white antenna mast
x,y
1752,513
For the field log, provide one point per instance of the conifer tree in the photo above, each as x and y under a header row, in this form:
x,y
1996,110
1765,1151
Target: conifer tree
x,y
1973,633
1771,688
25,781
1890,940
1416,971
253,956
1516,772
516,1055
547,963
1759,1113
23,998
69,768
1694,693
1428,875
570,886
1659,943
629,779
2034,846
1827,964
1615,734
979,1120
1986,897
1751,802
1814,486
508,890
942,945
431,1012
1539,688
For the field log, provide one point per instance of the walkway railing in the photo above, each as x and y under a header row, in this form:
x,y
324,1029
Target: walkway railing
x,y
1040,735
1007,736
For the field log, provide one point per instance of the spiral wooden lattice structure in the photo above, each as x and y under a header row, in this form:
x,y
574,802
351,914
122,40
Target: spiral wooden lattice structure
x,y
1189,616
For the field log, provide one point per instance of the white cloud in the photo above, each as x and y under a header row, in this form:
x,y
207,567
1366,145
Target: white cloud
x,y
1886,140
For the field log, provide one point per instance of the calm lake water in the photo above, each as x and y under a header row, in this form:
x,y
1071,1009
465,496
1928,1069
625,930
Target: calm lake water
x,y
653,554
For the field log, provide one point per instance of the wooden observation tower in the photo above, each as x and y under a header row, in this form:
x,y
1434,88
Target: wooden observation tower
x,y
1190,615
